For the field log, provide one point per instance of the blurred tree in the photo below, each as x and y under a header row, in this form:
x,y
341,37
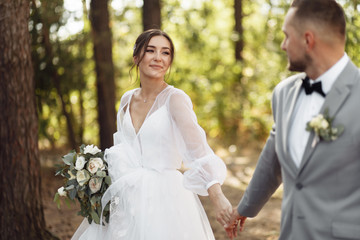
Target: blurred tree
x,y
151,14
59,75
231,94
239,30
52,69
102,40
352,9
22,215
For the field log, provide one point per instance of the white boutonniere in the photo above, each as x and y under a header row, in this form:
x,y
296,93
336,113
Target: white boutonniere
x,y
321,124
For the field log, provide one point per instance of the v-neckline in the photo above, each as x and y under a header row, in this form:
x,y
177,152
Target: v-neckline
x,y
147,114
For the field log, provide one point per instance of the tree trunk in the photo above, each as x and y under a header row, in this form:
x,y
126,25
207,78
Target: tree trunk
x,y
151,14
99,17
22,214
239,43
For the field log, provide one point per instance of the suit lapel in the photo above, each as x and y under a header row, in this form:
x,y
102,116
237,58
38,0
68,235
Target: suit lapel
x,y
333,101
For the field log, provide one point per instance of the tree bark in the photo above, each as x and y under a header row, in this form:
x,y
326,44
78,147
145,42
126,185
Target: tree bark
x,y
151,14
239,43
99,18
22,214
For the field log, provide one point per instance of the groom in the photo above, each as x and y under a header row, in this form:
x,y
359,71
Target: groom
x,y
320,172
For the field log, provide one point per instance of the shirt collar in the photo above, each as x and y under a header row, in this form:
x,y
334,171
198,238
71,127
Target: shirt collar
x,y
328,78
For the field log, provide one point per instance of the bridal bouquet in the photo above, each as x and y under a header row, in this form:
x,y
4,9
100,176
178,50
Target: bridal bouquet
x,y
86,179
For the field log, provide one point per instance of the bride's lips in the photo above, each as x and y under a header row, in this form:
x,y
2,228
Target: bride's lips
x,y
156,66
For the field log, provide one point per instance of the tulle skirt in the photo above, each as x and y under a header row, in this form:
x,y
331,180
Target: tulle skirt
x,y
150,205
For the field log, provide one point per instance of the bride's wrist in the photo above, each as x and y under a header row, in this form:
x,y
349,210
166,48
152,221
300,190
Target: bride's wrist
x,y
215,193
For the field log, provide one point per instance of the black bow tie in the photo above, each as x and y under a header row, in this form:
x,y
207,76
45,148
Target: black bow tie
x,y
310,88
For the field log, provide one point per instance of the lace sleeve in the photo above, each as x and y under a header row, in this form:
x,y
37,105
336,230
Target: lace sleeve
x,y
204,167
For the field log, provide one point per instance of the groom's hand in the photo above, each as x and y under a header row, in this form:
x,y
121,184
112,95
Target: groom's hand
x,y
232,225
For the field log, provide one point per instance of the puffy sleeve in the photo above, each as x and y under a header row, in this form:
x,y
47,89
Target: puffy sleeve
x,y
204,167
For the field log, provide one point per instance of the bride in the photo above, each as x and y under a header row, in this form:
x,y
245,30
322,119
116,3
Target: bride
x,y
157,132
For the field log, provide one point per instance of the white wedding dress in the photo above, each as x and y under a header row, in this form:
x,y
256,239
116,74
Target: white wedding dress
x,y
150,198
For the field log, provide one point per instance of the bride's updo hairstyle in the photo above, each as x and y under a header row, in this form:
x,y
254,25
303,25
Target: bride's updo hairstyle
x,y
142,43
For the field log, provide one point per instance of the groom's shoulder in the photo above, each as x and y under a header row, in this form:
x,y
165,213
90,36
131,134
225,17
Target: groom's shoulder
x,y
289,81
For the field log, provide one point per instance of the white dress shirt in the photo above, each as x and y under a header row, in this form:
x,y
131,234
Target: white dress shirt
x,y
308,106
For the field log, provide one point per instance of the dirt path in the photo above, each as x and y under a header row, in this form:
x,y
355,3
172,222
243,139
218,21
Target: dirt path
x,y
63,222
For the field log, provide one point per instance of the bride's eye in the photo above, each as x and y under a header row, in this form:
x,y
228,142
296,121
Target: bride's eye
x,y
149,50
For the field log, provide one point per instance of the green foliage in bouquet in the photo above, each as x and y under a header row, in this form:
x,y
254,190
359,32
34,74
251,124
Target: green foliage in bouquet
x,y
86,179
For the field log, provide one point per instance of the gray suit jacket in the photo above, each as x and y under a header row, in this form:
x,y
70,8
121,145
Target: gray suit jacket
x,y
321,198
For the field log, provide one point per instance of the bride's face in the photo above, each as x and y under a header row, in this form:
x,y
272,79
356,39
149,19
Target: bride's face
x,y
157,58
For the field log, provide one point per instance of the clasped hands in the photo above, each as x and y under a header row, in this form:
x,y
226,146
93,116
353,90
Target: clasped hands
x,y
226,215
231,220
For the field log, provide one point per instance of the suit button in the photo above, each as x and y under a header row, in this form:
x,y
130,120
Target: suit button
x,y
299,186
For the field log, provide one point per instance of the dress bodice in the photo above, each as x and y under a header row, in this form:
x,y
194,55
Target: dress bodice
x,y
154,143
169,136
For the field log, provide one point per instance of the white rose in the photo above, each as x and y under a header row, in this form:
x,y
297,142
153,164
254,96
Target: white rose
x,y
324,124
72,176
95,164
95,184
313,122
91,149
316,121
82,177
62,192
80,162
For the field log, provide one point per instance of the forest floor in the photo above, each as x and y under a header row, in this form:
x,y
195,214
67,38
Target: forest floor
x,y
241,163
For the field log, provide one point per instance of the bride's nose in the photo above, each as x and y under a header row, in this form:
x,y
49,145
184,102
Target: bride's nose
x,y
157,56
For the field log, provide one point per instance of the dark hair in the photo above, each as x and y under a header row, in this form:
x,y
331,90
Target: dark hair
x,y
324,12
143,40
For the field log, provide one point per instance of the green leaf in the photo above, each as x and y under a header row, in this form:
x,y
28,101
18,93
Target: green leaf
x,y
82,148
107,207
95,200
58,172
69,158
73,182
95,217
108,180
72,194
101,173
57,200
69,187
68,202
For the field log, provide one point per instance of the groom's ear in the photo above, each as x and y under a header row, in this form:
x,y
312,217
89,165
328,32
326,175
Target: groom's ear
x,y
309,39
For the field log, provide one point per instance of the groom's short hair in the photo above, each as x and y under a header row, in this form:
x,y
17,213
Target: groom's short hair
x,y
323,13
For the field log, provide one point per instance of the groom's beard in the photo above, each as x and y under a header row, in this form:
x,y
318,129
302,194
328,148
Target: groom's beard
x,y
300,65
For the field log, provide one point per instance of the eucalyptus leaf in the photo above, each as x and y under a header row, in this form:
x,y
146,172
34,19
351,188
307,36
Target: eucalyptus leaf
x,y
57,200
82,148
107,207
72,194
69,187
95,217
73,182
108,180
101,173
69,158
68,202
58,172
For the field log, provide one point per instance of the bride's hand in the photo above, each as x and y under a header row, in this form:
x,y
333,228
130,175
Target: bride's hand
x,y
222,205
